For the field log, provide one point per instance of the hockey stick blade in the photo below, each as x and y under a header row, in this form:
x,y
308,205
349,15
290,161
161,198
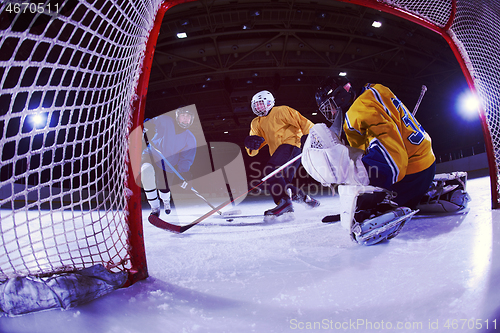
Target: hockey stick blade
x,y
157,222
179,229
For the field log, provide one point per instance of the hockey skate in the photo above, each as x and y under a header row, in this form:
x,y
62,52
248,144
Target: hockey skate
x,y
302,198
284,208
383,220
378,228
155,211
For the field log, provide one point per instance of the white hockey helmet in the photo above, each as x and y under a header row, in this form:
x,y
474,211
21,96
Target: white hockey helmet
x,y
262,102
184,117
334,96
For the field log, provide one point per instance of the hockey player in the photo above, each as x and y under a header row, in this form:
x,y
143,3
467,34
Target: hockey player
x,y
177,144
388,150
284,130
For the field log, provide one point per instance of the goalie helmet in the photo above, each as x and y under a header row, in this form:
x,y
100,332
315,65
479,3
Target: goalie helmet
x,y
184,117
262,102
334,96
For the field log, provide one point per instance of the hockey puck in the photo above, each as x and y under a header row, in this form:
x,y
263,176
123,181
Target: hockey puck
x,y
230,220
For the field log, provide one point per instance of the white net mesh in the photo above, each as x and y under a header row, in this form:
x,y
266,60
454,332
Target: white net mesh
x,y
68,73
437,12
475,31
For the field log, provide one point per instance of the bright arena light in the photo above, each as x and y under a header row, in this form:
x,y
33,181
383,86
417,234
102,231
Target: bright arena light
x,y
376,24
468,105
38,119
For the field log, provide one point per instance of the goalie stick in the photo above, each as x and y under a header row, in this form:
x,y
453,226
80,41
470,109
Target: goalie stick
x,y
422,93
158,222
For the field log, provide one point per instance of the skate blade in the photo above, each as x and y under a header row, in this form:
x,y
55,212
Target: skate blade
x,y
289,216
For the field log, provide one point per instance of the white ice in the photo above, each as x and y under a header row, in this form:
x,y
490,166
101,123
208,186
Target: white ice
x,y
441,274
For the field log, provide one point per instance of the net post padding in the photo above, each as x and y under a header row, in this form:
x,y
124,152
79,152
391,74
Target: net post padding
x,y
444,27
138,255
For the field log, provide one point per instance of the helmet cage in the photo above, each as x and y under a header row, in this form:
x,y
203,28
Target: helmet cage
x,y
262,103
334,97
330,109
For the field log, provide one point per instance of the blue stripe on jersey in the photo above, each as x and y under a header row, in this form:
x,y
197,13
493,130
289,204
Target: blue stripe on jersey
x,y
349,126
387,171
379,99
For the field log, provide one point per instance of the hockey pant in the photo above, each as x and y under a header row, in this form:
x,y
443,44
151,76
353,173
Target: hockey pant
x,y
282,181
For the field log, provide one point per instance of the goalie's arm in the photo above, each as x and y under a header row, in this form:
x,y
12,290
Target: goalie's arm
x,y
385,158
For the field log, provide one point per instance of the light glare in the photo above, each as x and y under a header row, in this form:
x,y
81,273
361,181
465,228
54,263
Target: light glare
x,y
376,24
37,119
468,105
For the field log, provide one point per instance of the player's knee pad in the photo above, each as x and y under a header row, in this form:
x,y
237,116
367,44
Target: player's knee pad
x,y
148,176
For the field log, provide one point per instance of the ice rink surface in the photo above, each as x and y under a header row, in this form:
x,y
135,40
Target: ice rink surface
x,y
441,274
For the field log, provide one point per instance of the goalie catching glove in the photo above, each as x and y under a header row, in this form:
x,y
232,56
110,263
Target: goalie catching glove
x,y
329,161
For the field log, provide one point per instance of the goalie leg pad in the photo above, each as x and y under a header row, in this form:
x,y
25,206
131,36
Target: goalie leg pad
x,y
382,227
349,201
447,193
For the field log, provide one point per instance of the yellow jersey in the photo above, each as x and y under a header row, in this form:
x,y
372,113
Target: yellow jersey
x,y
282,125
379,123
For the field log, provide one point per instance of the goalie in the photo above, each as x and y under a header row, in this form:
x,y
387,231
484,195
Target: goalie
x,y
389,163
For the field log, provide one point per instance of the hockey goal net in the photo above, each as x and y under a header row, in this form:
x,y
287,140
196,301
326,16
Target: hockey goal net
x,y
73,77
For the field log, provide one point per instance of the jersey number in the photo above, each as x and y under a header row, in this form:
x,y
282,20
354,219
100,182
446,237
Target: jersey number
x,y
417,136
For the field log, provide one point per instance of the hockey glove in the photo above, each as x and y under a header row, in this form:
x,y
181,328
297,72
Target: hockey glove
x,y
253,142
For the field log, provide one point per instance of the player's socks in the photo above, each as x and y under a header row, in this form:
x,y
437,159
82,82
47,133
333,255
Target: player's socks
x,y
165,197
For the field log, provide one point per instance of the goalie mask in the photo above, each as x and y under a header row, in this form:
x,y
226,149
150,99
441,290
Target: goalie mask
x,y
262,102
334,96
184,117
